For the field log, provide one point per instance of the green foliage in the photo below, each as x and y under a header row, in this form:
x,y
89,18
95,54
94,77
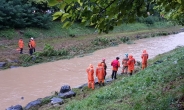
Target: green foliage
x,y
17,14
105,14
76,30
26,58
100,41
173,10
150,20
9,34
124,39
50,51
46,100
29,34
48,54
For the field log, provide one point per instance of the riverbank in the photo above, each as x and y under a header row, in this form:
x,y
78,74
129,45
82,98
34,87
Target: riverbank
x,y
159,86
49,49
41,80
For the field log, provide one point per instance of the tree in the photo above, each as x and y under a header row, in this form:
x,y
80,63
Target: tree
x,y
171,9
105,14
42,5
18,14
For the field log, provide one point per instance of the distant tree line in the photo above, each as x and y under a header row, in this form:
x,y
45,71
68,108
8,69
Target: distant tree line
x,y
23,13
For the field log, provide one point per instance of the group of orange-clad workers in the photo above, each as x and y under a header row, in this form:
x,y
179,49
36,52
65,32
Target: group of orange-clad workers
x,y
31,45
128,67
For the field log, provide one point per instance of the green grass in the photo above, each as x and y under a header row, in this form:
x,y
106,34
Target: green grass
x,y
158,87
76,29
141,26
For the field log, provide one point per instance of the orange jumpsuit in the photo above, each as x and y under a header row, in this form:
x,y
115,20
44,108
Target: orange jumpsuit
x,y
131,63
90,71
21,45
144,57
33,45
100,73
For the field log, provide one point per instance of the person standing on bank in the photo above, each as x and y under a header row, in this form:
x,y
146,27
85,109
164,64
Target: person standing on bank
x,y
105,67
131,63
100,74
21,45
30,47
90,72
115,65
125,64
33,43
144,57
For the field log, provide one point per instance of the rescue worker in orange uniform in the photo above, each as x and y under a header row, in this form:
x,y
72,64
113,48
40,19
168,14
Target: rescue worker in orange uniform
x,y
33,43
115,65
100,73
21,45
125,64
144,57
105,67
90,71
131,63
30,47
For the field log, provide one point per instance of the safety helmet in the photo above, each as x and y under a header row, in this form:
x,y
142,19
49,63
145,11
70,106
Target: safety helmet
x,y
90,65
144,51
100,64
126,54
130,56
103,59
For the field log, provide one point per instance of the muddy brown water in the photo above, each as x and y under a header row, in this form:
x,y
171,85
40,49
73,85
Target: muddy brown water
x,y
41,80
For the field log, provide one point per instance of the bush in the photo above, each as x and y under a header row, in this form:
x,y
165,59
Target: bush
x,y
124,39
17,14
50,51
150,20
9,34
100,41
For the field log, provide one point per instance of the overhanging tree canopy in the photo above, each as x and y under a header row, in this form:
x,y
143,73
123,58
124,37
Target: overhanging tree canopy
x,y
105,14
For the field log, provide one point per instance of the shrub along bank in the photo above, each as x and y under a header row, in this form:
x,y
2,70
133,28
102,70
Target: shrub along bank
x,y
160,86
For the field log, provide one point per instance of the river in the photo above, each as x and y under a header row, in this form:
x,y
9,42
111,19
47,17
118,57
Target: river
x,y
41,80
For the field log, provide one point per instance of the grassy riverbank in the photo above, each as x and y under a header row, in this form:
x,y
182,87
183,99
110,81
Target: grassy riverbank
x,y
160,86
57,43
75,30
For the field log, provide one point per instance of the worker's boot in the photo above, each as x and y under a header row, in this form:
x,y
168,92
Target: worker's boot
x,y
99,84
103,84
